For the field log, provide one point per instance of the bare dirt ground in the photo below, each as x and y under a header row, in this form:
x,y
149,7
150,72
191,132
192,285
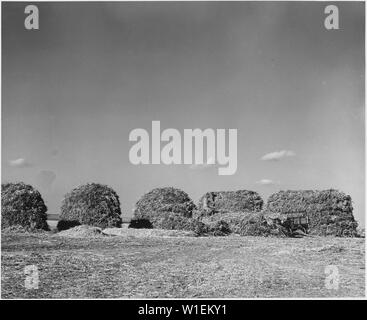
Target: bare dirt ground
x,y
175,267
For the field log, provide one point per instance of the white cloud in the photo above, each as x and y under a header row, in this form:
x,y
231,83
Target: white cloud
x,y
208,164
19,163
278,155
266,182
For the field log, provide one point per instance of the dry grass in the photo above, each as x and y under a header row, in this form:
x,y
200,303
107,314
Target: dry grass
x,y
146,233
152,267
83,231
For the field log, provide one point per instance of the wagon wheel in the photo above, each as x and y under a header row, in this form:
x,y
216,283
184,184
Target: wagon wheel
x,y
347,233
303,229
300,232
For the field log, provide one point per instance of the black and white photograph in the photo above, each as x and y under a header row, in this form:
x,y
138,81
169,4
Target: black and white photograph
x,y
172,150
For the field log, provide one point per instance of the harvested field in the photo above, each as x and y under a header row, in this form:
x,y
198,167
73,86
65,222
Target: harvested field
x,y
189,267
144,233
83,231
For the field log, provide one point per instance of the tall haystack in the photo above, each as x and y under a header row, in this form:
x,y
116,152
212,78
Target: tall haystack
x,y
330,212
247,223
160,203
92,204
22,205
230,201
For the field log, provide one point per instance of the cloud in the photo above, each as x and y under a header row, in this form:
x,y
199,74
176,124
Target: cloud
x,y
278,155
208,164
19,163
266,182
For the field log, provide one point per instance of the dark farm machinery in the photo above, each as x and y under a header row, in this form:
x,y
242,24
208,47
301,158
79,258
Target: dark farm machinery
x,y
294,224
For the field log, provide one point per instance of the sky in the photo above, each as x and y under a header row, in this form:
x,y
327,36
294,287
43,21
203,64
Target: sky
x,y
73,90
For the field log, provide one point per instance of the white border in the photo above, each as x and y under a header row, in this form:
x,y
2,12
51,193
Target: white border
x,y
196,299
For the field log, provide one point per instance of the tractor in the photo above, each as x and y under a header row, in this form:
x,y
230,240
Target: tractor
x,y
297,223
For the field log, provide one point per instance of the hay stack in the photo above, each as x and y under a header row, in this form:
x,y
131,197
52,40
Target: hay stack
x,y
22,205
230,201
164,207
242,223
233,219
92,204
82,231
173,221
330,211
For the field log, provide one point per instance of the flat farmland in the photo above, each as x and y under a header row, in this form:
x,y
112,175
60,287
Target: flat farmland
x,y
181,267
